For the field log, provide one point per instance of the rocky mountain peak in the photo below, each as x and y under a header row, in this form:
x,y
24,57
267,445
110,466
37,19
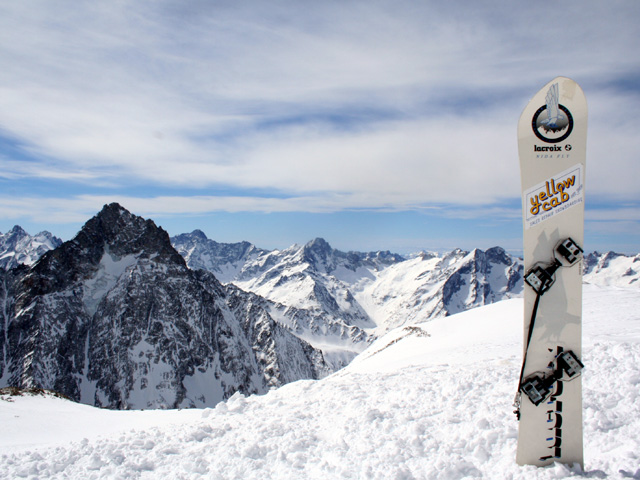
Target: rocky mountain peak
x,y
319,253
115,318
318,246
199,234
498,255
225,260
125,233
18,247
114,230
17,231
11,239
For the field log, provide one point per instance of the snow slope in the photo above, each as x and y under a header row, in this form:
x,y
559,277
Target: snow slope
x,y
429,285
430,400
613,269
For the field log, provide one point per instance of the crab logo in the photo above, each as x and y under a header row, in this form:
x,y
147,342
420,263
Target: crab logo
x,y
552,123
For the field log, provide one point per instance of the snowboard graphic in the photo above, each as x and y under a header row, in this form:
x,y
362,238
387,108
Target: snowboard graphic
x,y
552,135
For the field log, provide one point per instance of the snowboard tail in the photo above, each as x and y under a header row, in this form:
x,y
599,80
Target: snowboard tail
x,y
552,150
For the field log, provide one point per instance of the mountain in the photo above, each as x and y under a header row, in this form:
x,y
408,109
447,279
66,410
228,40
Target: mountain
x,y
18,247
339,302
97,316
612,269
115,318
224,260
308,287
430,286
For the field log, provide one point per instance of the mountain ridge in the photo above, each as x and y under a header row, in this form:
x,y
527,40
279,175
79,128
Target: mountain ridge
x,y
18,247
115,318
296,313
342,298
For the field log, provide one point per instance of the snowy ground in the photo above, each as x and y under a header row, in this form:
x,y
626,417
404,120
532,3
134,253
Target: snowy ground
x,y
432,402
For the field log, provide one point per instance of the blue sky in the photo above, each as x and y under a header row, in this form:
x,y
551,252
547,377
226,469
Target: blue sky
x,y
373,124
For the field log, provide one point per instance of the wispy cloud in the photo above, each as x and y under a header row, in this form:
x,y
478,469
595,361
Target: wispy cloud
x,y
322,105
616,214
79,208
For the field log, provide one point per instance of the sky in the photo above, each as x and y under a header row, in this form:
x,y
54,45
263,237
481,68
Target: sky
x,y
377,125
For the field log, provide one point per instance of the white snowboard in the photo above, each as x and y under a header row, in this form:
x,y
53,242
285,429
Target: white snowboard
x,y
552,135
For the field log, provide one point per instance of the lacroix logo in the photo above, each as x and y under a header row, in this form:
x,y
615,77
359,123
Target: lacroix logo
x,y
553,196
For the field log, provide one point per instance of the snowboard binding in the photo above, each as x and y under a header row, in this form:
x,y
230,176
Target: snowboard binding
x,y
538,386
569,251
541,277
570,364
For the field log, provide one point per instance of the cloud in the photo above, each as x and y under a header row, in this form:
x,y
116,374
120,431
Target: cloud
x,y
79,208
630,213
613,144
373,104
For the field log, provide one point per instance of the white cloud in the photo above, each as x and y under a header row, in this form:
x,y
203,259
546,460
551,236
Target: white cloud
x,y
618,214
373,104
81,207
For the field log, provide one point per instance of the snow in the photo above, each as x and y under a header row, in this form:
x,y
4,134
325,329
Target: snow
x,y
150,374
613,269
428,400
297,294
391,297
109,270
461,339
200,381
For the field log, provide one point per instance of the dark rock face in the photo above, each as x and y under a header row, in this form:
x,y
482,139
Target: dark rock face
x,y
484,278
114,318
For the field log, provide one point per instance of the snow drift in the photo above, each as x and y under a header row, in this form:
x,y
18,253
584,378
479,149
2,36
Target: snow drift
x,y
428,400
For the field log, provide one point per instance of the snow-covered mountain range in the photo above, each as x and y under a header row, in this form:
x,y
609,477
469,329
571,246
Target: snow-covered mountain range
x,y
18,247
115,318
122,316
612,269
340,301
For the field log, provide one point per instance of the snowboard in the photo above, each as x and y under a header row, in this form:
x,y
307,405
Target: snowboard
x,y
552,134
